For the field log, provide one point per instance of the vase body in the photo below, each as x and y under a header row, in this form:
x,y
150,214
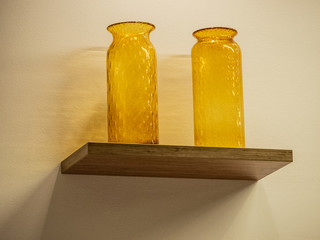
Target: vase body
x,y
132,84
217,89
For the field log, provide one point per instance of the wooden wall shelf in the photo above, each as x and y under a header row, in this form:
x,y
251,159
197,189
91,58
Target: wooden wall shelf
x,y
150,160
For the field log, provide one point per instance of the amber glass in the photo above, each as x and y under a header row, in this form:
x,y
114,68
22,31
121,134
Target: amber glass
x,y
217,89
132,84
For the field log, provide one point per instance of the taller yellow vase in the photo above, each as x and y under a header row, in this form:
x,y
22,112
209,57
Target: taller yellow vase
x,y
132,84
217,89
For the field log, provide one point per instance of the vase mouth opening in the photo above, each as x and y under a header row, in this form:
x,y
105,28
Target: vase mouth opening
x,y
131,27
215,33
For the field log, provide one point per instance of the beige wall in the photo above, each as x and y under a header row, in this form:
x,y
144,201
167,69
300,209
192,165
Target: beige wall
x,y
53,100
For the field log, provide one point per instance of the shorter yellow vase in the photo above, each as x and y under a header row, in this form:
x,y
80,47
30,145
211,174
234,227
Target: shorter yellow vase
x,y
217,89
132,84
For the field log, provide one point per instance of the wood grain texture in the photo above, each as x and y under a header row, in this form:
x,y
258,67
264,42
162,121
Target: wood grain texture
x,y
175,161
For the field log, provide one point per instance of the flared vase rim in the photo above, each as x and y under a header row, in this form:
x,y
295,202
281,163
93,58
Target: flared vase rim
x,y
126,22
235,32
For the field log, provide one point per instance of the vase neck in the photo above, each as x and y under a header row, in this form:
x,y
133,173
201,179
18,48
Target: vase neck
x,y
215,34
131,29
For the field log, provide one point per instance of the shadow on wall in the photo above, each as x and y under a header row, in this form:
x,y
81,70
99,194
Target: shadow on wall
x,y
175,100
82,101
93,207
22,224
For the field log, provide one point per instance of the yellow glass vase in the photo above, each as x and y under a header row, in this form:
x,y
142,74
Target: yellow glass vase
x,y
217,89
132,84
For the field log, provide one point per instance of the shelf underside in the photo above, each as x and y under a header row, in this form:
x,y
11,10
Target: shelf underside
x,y
175,161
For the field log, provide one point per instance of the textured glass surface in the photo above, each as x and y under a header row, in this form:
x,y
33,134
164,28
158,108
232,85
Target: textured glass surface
x,y
132,84
217,89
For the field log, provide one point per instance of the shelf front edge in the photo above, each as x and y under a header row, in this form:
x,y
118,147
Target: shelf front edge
x,y
175,161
